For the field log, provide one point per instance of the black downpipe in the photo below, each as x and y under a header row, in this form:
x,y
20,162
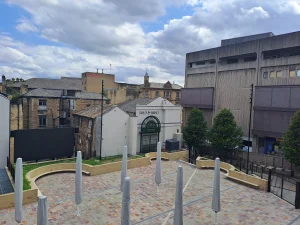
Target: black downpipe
x,y
28,105
249,131
101,119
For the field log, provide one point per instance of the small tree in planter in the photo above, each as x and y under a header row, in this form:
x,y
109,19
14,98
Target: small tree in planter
x,y
195,131
291,140
225,134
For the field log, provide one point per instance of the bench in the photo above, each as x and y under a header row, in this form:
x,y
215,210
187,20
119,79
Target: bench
x,y
243,182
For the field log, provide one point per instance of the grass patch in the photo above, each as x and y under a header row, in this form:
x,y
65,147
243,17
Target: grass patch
x,y
92,162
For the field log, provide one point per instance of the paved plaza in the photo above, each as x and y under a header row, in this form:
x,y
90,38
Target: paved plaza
x,y
150,206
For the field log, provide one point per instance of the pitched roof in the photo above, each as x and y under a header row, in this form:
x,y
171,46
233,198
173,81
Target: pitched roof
x,y
39,92
161,86
56,84
130,106
94,110
88,95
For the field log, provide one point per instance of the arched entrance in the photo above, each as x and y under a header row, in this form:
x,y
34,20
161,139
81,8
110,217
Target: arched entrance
x,y
150,130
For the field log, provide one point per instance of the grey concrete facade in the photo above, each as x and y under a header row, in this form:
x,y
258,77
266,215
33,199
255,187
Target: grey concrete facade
x,y
261,60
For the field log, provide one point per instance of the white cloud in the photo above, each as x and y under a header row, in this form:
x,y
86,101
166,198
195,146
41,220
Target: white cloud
x,y
26,26
97,33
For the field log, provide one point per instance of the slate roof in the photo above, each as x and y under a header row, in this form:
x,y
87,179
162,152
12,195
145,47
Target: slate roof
x,y
94,110
56,84
89,95
39,92
161,86
130,106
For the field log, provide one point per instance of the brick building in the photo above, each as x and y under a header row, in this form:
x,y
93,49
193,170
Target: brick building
x,y
115,91
44,108
169,91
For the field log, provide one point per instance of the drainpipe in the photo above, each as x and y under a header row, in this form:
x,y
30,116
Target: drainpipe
x,y
18,116
28,113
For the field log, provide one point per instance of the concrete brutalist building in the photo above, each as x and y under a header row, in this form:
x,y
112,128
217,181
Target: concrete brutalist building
x,y
220,77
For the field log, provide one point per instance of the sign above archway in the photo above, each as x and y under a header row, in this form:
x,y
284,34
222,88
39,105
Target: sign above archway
x,y
150,124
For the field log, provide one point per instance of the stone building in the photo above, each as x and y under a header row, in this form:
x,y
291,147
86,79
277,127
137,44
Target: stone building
x,y
140,124
115,91
169,91
221,77
44,108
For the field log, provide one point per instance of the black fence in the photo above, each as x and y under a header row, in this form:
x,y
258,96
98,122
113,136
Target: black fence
x,y
41,144
281,180
10,168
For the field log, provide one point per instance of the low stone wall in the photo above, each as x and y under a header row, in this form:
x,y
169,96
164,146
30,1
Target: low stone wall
x,y
233,173
117,166
29,196
8,200
172,156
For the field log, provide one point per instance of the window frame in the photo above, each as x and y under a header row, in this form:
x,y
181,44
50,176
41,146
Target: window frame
x,y
90,124
42,101
169,94
43,119
267,77
294,72
278,72
271,77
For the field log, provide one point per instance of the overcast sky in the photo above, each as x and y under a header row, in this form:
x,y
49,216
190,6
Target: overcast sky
x,y
54,38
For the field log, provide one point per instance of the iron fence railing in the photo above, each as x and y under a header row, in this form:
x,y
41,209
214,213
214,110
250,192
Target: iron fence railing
x,y
277,170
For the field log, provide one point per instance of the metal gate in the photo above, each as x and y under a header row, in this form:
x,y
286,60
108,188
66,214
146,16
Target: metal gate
x,y
283,186
149,143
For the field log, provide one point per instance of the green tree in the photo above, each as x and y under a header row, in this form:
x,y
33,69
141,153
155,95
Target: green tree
x,y
195,131
291,140
225,133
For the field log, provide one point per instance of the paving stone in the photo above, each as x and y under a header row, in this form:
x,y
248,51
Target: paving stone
x,y
151,205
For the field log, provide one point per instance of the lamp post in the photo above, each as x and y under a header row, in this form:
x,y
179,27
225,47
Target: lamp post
x,y
101,131
249,131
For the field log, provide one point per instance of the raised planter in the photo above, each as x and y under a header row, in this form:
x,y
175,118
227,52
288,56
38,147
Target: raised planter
x,y
231,173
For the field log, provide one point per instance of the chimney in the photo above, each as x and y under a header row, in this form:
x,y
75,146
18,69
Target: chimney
x,y
97,70
3,84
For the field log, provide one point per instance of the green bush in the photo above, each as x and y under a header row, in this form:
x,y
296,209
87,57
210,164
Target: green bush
x,y
225,133
195,131
291,140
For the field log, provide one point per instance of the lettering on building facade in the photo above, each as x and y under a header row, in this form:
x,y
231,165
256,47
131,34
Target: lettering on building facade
x,y
149,112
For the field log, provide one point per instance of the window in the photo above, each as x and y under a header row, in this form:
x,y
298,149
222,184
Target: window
x,y
43,102
292,73
80,122
232,61
298,73
177,95
266,75
212,61
157,93
72,104
278,74
146,93
200,63
272,74
79,139
167,94
191,65
42,121
90,124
